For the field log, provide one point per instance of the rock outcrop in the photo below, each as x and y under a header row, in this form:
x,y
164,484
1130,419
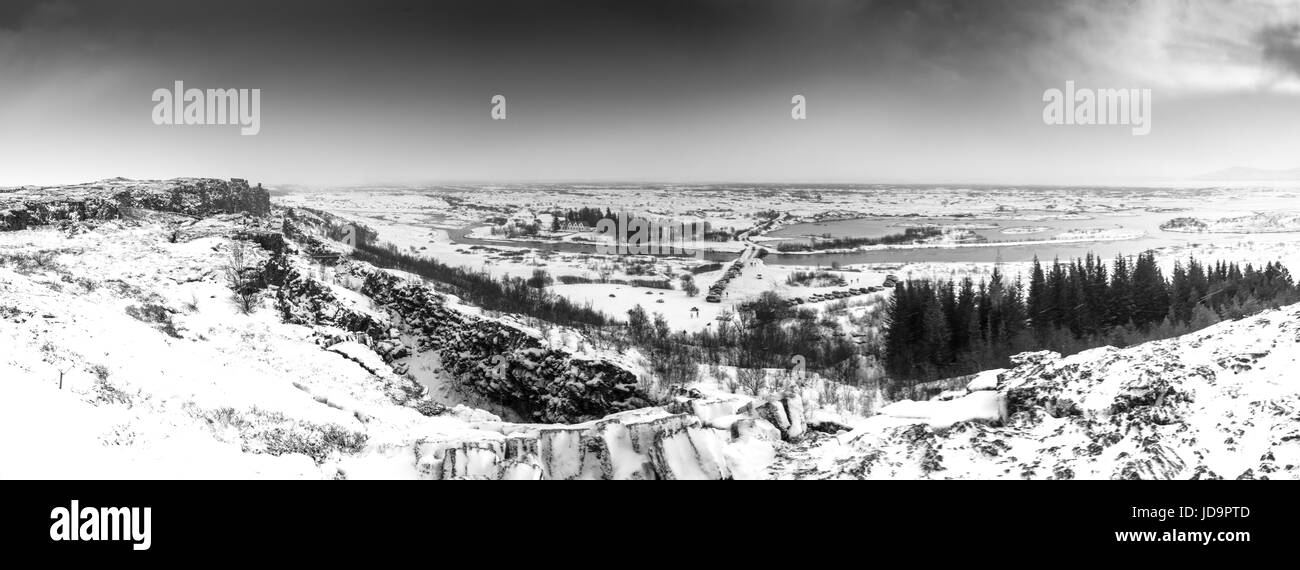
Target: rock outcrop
x,y
642,444
21,208
196,196
495,359
649,443
1217,403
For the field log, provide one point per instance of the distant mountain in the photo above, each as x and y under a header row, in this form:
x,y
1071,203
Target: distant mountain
x,y
1247,173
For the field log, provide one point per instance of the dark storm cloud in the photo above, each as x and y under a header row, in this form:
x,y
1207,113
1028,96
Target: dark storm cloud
x,y
761,34
13,12
1280,45
618,89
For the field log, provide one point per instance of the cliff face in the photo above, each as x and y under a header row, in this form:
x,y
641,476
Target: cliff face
x,y
494,359
588,419
28,211
196,196
1221,403
21,208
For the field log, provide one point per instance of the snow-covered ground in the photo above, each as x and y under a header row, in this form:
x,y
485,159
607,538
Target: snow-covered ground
x,y
189,387
1218,403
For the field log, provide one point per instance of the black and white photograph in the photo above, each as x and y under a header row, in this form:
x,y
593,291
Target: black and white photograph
x,y
650,240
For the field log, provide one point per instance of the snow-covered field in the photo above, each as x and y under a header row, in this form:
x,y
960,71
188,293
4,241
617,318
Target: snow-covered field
x,y
423,220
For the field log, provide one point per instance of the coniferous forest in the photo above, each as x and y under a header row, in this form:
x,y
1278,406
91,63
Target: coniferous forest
x,y
940,329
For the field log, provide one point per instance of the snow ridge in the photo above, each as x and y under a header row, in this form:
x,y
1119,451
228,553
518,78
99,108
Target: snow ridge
x,y
1218,403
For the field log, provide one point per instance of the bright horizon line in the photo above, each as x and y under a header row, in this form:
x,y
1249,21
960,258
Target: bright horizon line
x,y
1151,181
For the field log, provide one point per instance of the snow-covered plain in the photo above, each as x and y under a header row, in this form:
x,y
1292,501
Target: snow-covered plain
x,y
424,219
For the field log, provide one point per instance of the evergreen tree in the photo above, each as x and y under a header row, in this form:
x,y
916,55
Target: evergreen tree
x,y
1038,317
1180,294
1119,295
1149,291
1053,308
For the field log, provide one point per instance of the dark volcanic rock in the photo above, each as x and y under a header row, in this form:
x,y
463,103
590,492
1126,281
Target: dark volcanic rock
x,y
495,359
197,197
22,208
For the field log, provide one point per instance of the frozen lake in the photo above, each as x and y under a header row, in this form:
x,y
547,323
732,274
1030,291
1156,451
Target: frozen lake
x,y
1015,223
1041,228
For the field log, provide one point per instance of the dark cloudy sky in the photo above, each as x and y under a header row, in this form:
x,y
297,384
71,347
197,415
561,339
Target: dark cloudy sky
x,y
370,92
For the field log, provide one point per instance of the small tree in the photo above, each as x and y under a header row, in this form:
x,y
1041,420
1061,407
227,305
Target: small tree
x,y
751,380
689,286
240,276
638,322
661,328
540,279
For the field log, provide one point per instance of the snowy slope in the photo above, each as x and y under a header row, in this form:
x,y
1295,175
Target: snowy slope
x,y
197,398
123,354
1220,403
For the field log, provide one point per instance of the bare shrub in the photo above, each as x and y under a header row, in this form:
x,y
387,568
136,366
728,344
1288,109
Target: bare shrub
x,y
155,314
26,262
100,371
243,277
752,380
272,433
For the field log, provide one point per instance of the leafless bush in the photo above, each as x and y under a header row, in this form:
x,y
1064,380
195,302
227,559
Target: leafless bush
x,y
752,380
106,393
26,262
155,314
100,371
243,277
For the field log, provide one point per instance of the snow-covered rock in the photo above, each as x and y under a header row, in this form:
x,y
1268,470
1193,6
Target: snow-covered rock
x,y
1222,402
30,206
754,428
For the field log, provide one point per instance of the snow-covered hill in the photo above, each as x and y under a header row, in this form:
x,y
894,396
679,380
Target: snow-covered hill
x,y
125,354
1223,402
